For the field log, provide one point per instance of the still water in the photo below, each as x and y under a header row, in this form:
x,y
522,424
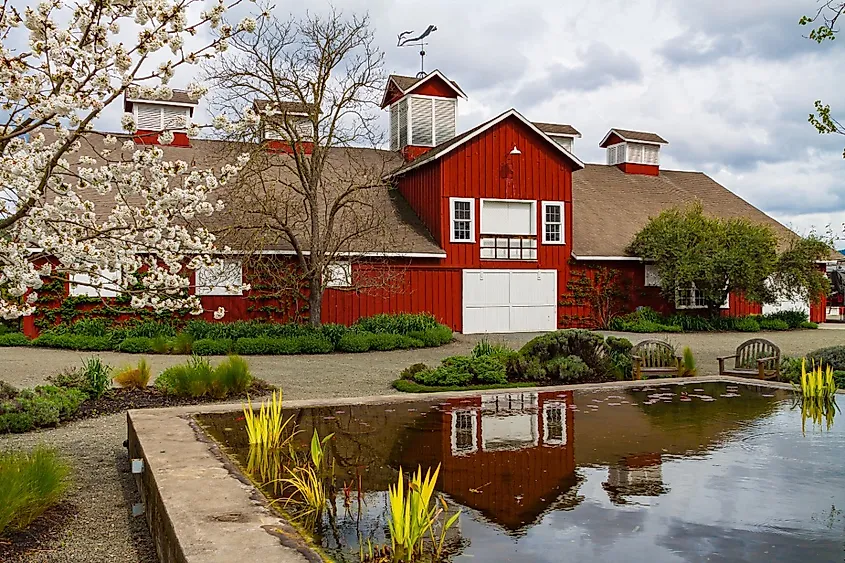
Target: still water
x,y
675,473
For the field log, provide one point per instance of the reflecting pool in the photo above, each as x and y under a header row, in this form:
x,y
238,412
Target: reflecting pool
x,y
709,472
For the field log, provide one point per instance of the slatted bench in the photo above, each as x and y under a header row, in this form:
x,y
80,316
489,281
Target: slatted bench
x,y
757,358
655,358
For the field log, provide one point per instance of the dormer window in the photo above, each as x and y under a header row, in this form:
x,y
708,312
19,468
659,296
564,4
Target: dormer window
x,y
563,135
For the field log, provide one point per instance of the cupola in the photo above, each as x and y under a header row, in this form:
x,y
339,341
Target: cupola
x,y
423,111
155,113
634,152
285,124
562,134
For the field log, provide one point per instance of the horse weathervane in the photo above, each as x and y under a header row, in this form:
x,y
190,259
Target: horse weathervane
x,y
405,41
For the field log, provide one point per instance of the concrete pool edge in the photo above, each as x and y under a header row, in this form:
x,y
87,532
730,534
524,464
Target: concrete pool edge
x,y
200,509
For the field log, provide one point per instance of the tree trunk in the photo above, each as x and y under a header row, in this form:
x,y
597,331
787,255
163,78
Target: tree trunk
x,y
315,306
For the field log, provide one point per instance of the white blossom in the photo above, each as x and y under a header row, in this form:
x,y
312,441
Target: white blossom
x,y
248,24
165,137
219,313
128,122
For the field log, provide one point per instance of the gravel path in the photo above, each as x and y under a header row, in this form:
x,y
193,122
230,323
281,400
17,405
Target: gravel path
x,y
104,531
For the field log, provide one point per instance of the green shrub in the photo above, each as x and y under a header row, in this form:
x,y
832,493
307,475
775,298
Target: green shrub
x,y
839,378
384,341
833,356
334,332
620,356
793,319
209,347
136,345
69,378
534,361
433,337
73,342
444,376
397,323
197,378
134,377
150,329
486,348
46,405
283,346
690,323
405,342
97,377
412,370
688,363
247,329
488,370
747,324
182,343
773,324
160,344
14,339
7,391
89,327
567,369
231,377
809,324
314,344
251,346
354,342
790,369
30,483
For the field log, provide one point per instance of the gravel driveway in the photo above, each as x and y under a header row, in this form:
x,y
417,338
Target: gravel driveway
x,y
103,531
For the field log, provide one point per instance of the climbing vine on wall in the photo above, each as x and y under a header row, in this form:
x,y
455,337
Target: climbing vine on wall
x,y
604,293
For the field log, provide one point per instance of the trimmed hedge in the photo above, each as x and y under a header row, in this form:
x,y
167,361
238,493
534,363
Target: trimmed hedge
x,y
211,347
14,339
387,332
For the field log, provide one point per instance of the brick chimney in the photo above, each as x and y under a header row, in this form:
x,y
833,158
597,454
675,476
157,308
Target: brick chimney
x,y
634,152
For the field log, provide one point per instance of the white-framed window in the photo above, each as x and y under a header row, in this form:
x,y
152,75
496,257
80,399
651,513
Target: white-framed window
x,y
105,284
464,432
462,215
652,276
508,217
565,142
553,221
689,298
692,298
554,423
222,278
339,274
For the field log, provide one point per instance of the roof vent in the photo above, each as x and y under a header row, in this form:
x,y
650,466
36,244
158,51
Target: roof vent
x,y
562,134
154,113
634,152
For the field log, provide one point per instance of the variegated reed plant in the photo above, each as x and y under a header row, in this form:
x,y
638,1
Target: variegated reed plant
x,y
413,516
308,480
267,428
818,391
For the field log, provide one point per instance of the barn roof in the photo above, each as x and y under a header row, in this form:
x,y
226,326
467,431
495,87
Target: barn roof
x,y
448,146
284,107
609,206
406,84
557,129
637,136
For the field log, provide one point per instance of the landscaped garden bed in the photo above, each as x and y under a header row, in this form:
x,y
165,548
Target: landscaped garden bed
x,y
86,392
557,358
646,319
376,333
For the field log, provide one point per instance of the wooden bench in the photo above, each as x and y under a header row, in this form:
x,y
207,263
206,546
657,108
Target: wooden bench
x,y
757,357
655,357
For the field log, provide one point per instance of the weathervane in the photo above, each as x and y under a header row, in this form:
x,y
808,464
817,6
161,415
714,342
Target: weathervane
x,y
405,41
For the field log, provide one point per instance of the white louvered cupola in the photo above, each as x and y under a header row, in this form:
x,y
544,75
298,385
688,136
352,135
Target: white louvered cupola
x,y
154,114
634,152
423,111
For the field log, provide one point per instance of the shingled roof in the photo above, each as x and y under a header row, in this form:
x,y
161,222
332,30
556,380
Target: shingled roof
x,y
609,207
284,107
557,129
629,135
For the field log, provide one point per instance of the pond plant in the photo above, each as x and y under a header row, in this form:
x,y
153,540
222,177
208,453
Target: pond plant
x,y
308,480
267,428
818,391
414,514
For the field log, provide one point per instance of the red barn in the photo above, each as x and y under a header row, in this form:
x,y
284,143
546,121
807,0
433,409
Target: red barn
x,y
498,223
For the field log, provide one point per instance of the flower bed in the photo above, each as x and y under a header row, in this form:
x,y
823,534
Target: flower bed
x,y
556,358
377,333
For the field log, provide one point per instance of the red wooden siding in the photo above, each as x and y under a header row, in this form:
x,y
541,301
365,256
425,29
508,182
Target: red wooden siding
x,y
415,290
644,169
483,168
435,86
612,140
422,190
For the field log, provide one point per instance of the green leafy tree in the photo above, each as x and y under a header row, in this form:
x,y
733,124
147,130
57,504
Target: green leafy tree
x,y
824,28
721,256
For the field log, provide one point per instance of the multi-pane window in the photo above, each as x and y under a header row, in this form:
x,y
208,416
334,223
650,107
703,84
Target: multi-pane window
x,y
553,222
554,423
689,298
464,439
221,278
463,220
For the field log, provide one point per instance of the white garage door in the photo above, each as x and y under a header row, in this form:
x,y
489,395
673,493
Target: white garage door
x,y
509,301
787,305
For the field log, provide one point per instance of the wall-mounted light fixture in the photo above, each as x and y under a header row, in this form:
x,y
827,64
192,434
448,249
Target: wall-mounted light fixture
x,y
515,151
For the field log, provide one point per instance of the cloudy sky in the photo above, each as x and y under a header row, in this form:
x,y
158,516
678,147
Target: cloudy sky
x,y
728,83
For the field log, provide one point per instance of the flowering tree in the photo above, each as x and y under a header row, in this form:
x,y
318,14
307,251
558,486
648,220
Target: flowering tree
x,y
73,201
